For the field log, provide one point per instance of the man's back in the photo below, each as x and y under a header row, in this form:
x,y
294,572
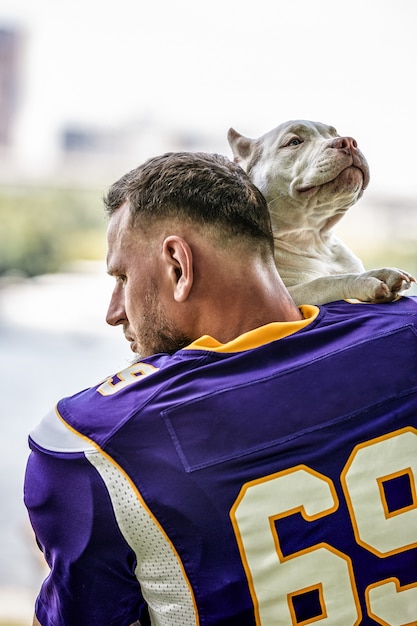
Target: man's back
x,y
266,486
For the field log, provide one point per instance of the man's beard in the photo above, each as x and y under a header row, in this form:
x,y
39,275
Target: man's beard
x,y
157,333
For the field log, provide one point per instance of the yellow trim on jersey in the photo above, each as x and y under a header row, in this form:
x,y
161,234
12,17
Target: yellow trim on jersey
x,y
259,336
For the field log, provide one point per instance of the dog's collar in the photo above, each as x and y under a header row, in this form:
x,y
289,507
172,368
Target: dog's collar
x,y
258,336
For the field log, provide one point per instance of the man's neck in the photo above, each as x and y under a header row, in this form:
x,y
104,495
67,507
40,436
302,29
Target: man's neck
x,y
259,298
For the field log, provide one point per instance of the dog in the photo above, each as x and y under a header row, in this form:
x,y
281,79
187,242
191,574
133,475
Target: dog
x,y
310,176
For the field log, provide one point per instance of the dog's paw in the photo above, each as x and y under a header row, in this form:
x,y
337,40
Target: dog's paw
x,y
384,284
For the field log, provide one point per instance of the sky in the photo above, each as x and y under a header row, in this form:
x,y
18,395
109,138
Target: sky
x,y
207,66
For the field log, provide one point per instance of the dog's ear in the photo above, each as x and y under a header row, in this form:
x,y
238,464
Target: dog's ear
x,y
241,146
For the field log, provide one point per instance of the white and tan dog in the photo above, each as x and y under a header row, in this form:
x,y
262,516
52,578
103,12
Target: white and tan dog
x,y
310,176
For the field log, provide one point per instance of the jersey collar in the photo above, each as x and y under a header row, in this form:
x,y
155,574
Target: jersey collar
x,y
258,336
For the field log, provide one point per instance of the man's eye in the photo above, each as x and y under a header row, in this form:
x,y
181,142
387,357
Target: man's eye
x,y
121,279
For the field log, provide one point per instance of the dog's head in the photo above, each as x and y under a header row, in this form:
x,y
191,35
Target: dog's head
x,y
308,173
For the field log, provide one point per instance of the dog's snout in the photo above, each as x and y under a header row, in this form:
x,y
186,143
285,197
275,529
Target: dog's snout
x,y
345,143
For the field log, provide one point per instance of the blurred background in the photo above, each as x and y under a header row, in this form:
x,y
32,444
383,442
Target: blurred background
x,y
90,89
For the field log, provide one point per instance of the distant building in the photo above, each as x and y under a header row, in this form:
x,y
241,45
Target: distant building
x,y
96,155
10,71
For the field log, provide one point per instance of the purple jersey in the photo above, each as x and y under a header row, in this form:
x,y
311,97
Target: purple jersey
x,y
271,480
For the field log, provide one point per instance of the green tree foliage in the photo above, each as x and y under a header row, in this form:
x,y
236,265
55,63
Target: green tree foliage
x,y
41,230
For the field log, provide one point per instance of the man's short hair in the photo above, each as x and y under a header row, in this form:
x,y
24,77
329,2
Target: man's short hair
x,y
207,189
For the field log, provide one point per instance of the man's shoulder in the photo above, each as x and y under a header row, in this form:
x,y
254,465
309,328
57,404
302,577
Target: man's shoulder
x,y
402,306
53,435
88,418
79,420
342,325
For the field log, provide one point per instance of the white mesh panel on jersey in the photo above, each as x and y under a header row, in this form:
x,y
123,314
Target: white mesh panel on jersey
x,y
159,570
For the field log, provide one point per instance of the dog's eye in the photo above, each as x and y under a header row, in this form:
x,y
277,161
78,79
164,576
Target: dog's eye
x,y
295,141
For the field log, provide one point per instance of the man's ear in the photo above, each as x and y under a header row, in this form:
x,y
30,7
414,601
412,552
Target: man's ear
x,y
179,259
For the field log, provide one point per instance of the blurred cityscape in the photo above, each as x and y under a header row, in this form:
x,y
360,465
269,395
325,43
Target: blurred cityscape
x,y
84,155
382,230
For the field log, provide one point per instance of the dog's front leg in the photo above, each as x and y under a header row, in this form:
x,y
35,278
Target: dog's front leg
x,y
381,285
323,289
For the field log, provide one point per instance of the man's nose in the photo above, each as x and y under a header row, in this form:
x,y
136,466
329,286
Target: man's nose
x,y
116,313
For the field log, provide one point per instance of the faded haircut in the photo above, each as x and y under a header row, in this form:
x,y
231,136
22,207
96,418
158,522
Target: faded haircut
x,y
207,189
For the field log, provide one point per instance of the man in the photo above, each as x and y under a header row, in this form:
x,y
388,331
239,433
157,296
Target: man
x,y
256,464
